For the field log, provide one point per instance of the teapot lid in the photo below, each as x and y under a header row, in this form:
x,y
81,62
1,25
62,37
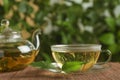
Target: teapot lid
x,y
7,34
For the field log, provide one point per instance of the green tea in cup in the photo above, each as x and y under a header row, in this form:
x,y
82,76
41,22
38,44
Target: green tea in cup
x,y
76,57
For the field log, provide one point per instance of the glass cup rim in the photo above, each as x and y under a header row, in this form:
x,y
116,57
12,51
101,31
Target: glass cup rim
x,y
75,47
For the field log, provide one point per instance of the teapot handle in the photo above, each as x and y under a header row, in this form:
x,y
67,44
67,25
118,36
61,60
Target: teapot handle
x,y
36,38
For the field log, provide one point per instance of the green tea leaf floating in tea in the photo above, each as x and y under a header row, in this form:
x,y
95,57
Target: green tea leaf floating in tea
x,y
72,66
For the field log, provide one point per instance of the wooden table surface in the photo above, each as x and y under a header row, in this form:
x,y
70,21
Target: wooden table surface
x,y
32,73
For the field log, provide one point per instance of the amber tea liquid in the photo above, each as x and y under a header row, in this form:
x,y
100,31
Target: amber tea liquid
x,y
15,58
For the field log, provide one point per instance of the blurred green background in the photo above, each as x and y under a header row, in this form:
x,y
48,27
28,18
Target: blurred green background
x,y
66,21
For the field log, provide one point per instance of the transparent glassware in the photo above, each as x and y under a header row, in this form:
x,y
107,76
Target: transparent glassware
x,y
15,52
84,56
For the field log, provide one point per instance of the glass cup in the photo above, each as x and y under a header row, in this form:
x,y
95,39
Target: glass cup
x,y
77,57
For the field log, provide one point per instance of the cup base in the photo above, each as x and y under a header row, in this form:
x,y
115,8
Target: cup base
x,y
95,68
99,67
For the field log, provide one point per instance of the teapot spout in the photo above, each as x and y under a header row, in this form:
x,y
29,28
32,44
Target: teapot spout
x,y
36,38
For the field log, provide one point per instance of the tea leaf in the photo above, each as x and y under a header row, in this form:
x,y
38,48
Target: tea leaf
x,y
22,7
107,38
6,5
72,66
113,48
46,58
42,64
111,23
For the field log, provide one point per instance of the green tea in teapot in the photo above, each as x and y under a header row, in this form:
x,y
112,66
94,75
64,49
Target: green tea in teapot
x,y
15,56
15,52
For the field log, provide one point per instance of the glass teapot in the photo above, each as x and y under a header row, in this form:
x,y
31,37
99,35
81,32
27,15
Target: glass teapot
x,y
15,52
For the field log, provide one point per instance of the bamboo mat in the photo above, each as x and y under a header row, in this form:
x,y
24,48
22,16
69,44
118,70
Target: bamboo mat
x,y
32,73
